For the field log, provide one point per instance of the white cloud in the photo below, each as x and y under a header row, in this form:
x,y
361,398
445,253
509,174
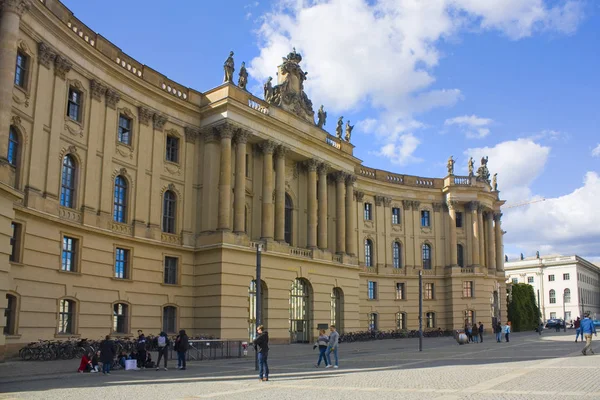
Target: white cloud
x,y
596,151
381,53
473,126
568,224
401,153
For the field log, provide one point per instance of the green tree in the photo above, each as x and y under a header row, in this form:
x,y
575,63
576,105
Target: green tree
x,y
522,308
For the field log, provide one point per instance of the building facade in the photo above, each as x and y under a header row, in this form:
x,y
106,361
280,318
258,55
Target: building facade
x,y
566,286
129,201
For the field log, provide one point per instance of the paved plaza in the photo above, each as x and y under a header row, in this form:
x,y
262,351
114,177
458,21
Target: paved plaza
x,y
529,367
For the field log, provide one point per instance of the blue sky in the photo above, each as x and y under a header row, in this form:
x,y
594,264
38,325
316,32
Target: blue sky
x,y
515,80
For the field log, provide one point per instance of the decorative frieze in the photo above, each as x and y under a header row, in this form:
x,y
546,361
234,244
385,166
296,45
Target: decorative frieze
x,y
15,6
112,98
97,89
46,55
62,66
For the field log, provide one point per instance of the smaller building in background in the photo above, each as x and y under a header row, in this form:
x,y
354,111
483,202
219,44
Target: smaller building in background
x,y
566,286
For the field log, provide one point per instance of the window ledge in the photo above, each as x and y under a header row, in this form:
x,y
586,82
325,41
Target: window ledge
x,y
177,164
16,264
467,298
22,89
69,272
9,337
121,279
171,284
399,299
372,299
66,335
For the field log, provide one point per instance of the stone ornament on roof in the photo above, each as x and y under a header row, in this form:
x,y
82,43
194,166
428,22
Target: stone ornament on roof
x,y
321,117
495,182
289,94
339,127
348,131
471,164
243,77
483,173
229,68
450,166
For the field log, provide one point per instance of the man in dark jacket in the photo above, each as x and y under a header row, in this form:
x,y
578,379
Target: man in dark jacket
x,y
107,354
480,332
141,350
181,347
261,345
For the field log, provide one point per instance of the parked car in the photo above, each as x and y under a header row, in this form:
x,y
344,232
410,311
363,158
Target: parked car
x,y
552,323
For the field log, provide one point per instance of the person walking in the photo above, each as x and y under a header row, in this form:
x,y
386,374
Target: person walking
x,y
498,331
578,329
469,331
141,350
587,328
322,343
107,354
162,342
507,332
261,346
480,332
181,347
332,346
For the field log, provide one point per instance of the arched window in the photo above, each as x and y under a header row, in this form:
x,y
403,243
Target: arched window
x,y
401,321
368,253
396,255
66,316
67,188
169,209
460,255
300,311
552,296
337,308
430,317
120,206
120,314
426,256
567,296
373,323
13,147
289,208
169,319
469,317
252,318
10,314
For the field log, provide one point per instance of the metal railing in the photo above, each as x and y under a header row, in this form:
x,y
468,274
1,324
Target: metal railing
x,y
200,350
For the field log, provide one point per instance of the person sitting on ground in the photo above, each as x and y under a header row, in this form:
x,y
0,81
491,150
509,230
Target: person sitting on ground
x,y
122,358
149,363
96,362
86,363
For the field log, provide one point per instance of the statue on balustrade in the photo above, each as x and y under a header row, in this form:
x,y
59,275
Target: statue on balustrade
x,y
243,77
321,117
229,67
268,90
471,164
505,258
450,166
348,130
339,128
483,173
522,256
495,182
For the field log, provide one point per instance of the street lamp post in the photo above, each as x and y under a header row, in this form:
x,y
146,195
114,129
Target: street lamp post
x,y
420,310
564,313
258,298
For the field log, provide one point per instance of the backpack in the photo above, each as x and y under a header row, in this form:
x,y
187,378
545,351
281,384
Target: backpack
x,y
162,341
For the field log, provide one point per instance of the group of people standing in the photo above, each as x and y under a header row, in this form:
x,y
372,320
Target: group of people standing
x,y
474,333
327,345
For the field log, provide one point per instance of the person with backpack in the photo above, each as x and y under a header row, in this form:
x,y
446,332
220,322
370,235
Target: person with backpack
x,y
141,350
261,346
162,342
107,354
181,347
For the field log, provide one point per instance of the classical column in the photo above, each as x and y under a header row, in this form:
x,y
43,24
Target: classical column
x,y
225,133
491,242
267,193
473,206
239,200
322,234
280,193
11,10
452,205
340,212
311,193
189,212
112,98
210,181
350,216
499,245
482,254
142,183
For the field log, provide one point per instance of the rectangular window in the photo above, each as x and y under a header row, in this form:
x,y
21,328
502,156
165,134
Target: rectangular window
x,y
550,278
567,315
124,135
395,215
368,211
552,315
247,165
425,218
122,263
171,270
400,294
372,290
430,317
172,149
66,316
21,70
459,219
530,279
515,281
74,106
429,292
15,242
373,322
468,289
69,254
566,277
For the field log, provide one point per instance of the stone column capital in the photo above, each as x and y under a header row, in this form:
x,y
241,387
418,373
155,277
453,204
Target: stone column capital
x,y
489,215
350,179
46,55
241,136
97,89
225,131
62,66
311,164
452,204
378,200
339,176
387,201
497,216
158,121
359,196
415,205
280,151
145,115
210,135
406,204
323,168
473,206
113,97
267,146
15,6
437,206
191,134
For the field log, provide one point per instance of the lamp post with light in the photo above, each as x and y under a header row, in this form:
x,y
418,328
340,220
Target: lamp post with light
x,y
258,298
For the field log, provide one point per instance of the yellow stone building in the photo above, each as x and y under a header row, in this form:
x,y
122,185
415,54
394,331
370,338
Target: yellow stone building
x,y
129,201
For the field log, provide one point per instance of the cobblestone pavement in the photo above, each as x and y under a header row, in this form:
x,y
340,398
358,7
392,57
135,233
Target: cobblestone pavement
x,y
529,367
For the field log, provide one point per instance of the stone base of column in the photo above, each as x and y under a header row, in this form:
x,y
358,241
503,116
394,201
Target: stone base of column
x,y
139,228
453,266
188,238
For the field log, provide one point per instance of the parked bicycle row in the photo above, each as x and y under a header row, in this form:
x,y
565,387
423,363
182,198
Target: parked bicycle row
x,y
393,334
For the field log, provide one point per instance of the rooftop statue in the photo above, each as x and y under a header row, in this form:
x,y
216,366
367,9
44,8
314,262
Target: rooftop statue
x,y
289,91
229,67
483,173
268,89
348,131
471,163
495,182
339,127
321,117
243,77
450,166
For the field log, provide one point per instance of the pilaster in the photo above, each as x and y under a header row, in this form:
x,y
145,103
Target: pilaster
x,y
239,201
